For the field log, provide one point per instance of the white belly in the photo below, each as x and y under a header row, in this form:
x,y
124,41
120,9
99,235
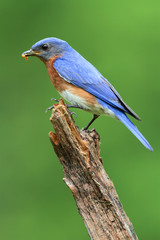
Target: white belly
x,y
78,101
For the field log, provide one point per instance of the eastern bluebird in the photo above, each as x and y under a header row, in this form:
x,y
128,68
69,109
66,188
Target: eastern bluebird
x,y
81,84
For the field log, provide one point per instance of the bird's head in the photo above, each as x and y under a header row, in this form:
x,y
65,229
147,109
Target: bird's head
x,y
46,49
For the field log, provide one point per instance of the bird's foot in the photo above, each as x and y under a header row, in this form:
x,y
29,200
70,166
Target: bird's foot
x,y
54,99
89,124
49,108
67,105
72,113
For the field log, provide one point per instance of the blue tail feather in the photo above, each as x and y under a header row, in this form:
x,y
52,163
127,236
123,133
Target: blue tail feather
x,y
127,122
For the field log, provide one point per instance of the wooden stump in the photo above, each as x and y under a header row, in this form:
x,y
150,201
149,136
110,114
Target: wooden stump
x,y
95,195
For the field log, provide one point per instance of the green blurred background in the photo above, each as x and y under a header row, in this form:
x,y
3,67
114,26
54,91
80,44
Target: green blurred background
x,y
122,39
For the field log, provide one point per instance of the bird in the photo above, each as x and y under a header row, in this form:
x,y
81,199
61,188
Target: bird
x,y
81,84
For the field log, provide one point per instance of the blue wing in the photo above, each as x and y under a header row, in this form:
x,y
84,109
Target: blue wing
x,y
78,71
127,122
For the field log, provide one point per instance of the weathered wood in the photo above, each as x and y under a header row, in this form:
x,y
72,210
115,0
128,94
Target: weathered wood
x,y
94,193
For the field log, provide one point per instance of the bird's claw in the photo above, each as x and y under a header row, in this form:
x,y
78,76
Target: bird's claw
x,y
49,108
85,128
72,113
67,105
54,99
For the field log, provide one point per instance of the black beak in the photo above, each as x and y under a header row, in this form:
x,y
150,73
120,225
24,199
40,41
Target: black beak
x,y
29,53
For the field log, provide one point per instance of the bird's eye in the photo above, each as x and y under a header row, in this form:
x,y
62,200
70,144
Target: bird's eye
x,y
44,46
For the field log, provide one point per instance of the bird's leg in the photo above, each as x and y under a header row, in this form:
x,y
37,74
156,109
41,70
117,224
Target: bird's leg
x,y
54,99
67,105
93,119
50,108
73,106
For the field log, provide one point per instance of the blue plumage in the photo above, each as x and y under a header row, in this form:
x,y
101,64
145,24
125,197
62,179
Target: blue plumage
x,y
127,122
75,69
78,71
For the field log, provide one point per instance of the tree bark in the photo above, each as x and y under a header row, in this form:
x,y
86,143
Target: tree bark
x,y
95,195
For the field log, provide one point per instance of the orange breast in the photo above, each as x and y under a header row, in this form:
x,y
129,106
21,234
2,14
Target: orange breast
x,y
56,80
61,85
